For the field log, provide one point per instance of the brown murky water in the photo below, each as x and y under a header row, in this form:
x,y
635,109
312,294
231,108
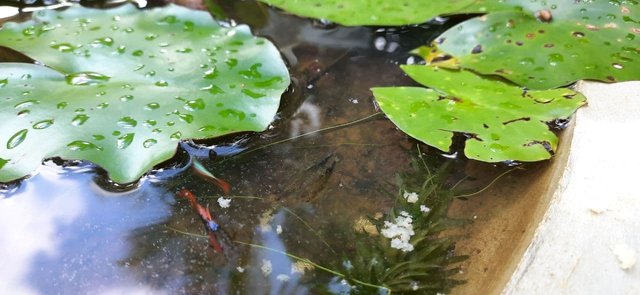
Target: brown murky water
x,y
68,230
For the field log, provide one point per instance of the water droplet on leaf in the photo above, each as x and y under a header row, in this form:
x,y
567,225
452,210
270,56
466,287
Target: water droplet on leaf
x,y
193,105
81,145
127,122
63,47
149,143
17,138
176,136
125,141
79,119
42,124
86,78
127,97
106,41
252,94
152,106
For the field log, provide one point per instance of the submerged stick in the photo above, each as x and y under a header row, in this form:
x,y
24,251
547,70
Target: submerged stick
x,y
306,260
339,126
488,185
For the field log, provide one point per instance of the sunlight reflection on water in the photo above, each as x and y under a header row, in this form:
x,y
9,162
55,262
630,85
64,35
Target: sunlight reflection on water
x,y
57,233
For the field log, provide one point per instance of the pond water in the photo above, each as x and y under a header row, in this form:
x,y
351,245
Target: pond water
x,y
68,230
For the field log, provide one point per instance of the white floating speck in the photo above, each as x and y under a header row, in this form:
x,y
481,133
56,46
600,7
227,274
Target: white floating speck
x,y
411,197
425,209
414,286
282,278
240,269
598,207
266,267
626,256
279,229
224,203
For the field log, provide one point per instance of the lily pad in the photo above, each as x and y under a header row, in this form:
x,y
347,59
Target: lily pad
x,y
547,44
372,12
501,121
121,87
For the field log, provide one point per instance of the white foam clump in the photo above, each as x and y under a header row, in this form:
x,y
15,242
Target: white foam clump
x,y
282,278
266,267
410,197
224,203
400,232
425,209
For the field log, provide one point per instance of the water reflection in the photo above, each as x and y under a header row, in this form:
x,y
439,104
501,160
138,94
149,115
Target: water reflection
x,y
57,233
305,119
280,275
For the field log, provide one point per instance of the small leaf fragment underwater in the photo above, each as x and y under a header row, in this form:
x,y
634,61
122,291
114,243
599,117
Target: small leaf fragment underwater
x,y
120,87
501,121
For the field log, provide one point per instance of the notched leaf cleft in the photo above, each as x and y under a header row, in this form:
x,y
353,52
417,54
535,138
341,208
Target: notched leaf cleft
x,y
503,125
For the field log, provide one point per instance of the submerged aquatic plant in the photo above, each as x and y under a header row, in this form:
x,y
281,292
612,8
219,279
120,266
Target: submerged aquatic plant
x,y
424,263
121,87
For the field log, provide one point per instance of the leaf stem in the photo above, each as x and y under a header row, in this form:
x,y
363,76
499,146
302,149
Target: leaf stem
x,y
488,185
311,133
306,260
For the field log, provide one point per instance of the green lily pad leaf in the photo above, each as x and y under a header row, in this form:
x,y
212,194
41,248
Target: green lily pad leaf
x,y
502,122
373,12
123,86
544,45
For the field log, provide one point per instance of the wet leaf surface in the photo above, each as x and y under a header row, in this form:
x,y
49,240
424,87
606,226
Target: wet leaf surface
x,y
373,12
547,44
122,87
501,121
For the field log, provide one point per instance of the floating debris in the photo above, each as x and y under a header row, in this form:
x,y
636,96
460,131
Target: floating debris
x,y
626,256
282,278
410,197
266,267
224,203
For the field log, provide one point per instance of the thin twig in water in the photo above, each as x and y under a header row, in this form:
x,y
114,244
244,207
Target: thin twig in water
x,y
233,197
315,232
424,163
186,233
318,266
340,144
488,186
